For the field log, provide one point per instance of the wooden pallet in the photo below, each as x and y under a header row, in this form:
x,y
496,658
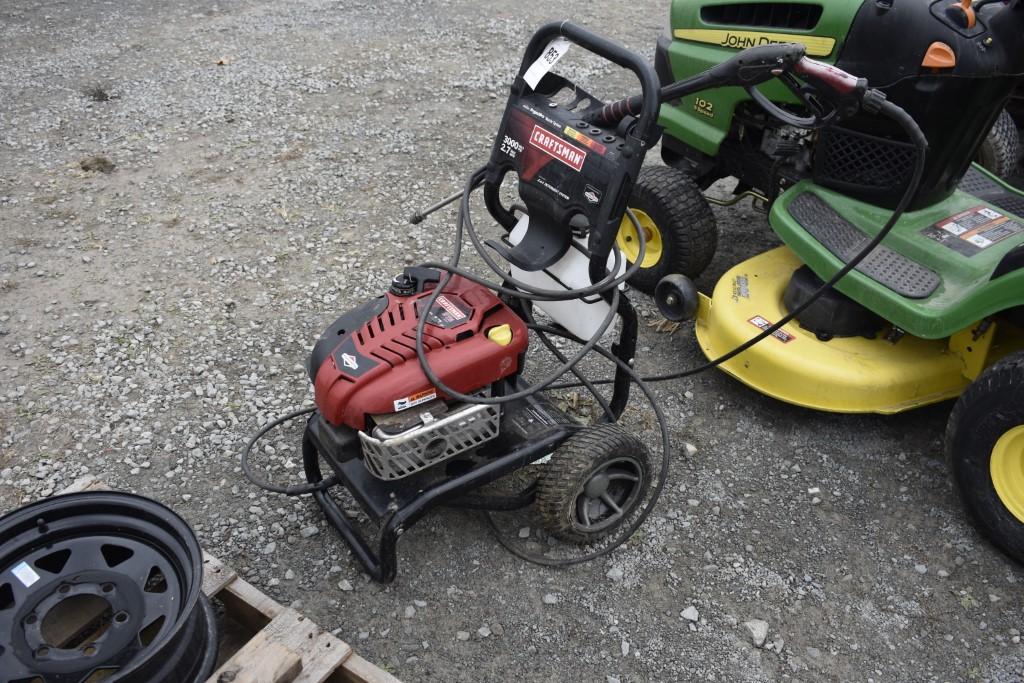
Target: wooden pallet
x,y
262,641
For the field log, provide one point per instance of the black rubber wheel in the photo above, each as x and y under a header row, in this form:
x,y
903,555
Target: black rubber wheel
x,y
985,451
593,483
102,585
678,224
998,152
677,298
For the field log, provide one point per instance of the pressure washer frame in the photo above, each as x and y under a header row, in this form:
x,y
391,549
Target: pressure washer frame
x,y
532,426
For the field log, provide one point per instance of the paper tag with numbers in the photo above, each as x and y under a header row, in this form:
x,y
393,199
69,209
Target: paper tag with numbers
x,y
555,50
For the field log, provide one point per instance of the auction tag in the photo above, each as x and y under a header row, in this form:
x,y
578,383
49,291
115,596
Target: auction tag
x,y
555,50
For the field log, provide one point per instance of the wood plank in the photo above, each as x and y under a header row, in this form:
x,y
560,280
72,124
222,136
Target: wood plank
x,y
322,658
261,661
358,670
267,658
216,575
272,655
256,600
248,616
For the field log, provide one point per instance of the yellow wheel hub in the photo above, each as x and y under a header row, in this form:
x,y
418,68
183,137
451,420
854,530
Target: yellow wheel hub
x,y
629,242
1007,469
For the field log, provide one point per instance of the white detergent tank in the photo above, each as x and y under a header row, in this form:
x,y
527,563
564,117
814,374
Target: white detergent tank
x,y
582,317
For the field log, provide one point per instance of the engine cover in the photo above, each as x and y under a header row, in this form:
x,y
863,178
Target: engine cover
x,y
365,363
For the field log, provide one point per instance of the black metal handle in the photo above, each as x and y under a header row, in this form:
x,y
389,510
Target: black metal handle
x,y
606,49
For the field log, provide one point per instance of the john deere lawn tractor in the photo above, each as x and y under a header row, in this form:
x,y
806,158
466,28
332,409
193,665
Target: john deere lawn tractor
x,y
723,133
935,311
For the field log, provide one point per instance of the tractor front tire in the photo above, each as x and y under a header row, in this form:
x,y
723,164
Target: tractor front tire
x,y
999,151
678,225
985,451
593,483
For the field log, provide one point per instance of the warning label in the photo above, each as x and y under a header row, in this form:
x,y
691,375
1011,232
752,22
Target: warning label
x,y
764,324
974,230
415,399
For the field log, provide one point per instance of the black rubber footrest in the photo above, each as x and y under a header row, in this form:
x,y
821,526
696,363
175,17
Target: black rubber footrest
x,y
845,240
984,188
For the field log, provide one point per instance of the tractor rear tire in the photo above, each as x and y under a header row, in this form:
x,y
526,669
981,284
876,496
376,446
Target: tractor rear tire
x,y
998,153
593,483
985,451
682,235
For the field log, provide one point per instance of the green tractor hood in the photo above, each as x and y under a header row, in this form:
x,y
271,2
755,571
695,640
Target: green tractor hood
x,y
704,34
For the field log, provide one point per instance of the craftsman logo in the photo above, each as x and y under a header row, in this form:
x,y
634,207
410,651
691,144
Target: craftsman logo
x,y
452,309
763,324
570,155
349,361
447,311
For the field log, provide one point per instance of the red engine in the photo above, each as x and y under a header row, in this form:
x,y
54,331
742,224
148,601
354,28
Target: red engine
x,y
366,363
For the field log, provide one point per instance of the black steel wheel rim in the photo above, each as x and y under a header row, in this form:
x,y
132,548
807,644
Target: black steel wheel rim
x,y
102,586
608,495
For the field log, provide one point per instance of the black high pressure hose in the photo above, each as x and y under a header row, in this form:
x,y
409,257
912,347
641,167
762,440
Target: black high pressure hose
x,y
913,131
921,144
532,293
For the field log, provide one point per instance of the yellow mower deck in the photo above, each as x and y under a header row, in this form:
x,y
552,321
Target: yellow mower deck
x,y
847,375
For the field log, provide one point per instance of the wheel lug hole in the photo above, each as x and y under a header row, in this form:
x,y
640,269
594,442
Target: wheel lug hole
x,y
107,587
121,617
89,650
31,619
42,652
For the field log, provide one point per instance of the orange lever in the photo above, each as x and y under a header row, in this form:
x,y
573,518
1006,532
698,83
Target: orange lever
x,y
970,18
939,56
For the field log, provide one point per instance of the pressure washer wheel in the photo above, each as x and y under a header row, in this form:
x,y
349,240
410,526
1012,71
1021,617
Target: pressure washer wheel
x,y
102,586
999,150
678,225
985,449
593,483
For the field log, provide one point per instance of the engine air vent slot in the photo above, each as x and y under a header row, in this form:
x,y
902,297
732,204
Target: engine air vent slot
x,y
791,15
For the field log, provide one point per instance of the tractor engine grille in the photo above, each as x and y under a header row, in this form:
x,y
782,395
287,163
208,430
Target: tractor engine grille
x,y
790,15
395,456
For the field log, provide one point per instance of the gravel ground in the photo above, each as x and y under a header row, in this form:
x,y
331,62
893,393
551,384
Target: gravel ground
x,y
247,169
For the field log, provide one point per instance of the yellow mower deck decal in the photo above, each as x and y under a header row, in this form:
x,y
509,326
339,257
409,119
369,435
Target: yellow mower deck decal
x,y
817,46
